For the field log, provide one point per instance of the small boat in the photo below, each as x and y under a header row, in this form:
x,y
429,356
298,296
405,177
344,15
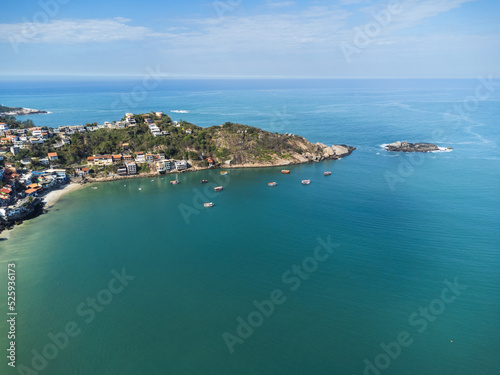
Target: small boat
x,y
140,188
285,171
327,173
209,204
203,181
176,181
306,182
179,111
218,188
272,183
223,173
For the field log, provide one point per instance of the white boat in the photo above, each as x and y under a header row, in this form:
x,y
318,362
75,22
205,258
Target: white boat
x,y
176,181
328,173
218,188
179,111
209,204
306,182
272,184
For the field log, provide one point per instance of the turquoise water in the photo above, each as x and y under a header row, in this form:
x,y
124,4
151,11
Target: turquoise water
x,y
401,227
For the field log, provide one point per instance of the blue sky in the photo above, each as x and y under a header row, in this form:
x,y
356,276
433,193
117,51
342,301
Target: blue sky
x,y
243,38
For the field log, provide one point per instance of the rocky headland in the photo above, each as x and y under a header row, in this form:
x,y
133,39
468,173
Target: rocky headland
x,y
19,111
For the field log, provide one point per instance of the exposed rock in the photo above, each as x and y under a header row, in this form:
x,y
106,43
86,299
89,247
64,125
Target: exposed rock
x,y
11,111
413,147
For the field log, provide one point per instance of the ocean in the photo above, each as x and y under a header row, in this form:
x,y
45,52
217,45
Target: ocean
x,y
388,266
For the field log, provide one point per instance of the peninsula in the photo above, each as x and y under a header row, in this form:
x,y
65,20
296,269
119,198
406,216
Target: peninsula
x,y
414,147
19,111
36,160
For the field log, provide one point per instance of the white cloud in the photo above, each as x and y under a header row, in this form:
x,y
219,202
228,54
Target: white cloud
x,y
74,31
280,4
314,29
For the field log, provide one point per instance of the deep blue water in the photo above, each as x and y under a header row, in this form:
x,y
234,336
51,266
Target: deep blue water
x,y
402,225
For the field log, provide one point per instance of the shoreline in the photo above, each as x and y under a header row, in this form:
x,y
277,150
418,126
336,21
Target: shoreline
x,y
53,196
198,169
50,198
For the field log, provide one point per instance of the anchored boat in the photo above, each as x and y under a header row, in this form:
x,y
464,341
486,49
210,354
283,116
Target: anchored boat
x,y
218,188
285,171
209,204
272,183
223,173
327,173
203,181
176,181
306,182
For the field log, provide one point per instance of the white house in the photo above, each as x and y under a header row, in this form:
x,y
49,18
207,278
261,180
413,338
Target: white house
x,y
180,165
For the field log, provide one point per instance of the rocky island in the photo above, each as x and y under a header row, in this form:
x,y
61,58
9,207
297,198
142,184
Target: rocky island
x,y
19,111
414,147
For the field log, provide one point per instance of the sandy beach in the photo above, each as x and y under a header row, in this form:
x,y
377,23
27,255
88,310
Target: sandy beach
x,y
50,198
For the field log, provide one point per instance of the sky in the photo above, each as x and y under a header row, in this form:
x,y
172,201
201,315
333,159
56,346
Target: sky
x,y
252,39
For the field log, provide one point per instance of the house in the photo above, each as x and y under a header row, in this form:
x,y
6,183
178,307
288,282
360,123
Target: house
x,y
131,167
5,196
90,160
122,170
128,158
125,146
82,171
189,131
31,192
168,165
117,158
3,126
149,158
14,150
103,159
52,156
140,157
159,114
181,165
44,161
210,162
59,174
